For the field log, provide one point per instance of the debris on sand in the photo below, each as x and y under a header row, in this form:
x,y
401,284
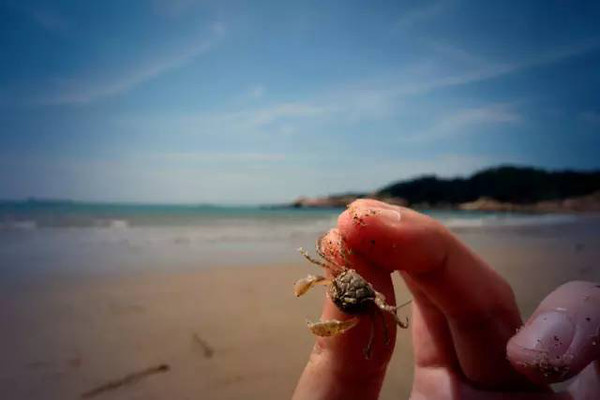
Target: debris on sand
x,y
126,380
207,350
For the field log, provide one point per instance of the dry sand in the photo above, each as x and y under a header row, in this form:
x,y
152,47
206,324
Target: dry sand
x,y
64,337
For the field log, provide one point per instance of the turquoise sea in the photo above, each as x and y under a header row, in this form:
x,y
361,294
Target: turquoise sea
x,y
40,237
65,214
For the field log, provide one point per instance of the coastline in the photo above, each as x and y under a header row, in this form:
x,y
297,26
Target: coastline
x,y
577,205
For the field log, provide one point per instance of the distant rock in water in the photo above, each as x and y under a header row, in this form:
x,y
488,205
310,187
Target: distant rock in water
x,y
504,188
338,201
341,201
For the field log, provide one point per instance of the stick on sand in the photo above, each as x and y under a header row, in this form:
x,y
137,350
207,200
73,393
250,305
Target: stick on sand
x,y
126,380
206,349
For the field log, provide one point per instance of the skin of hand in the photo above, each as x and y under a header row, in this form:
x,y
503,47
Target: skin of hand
x,y
468,338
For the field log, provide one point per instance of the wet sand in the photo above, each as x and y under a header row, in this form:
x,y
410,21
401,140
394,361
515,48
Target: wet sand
x,y
227,332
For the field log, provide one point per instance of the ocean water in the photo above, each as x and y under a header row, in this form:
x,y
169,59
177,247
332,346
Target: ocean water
x,y
218,221
51,237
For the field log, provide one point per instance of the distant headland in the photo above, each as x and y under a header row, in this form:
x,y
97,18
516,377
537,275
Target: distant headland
x,y
502,188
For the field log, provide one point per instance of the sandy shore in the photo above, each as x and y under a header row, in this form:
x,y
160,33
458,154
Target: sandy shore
x,y
227,332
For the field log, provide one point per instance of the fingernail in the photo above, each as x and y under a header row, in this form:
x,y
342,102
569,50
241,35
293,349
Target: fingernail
x,y
550,332
383,214
390,216
363,215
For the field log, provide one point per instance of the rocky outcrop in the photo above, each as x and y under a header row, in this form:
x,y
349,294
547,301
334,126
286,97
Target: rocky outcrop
x,y
486,204
324,202
590,203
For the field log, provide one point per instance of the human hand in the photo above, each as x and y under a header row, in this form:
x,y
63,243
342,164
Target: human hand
x,y
464,315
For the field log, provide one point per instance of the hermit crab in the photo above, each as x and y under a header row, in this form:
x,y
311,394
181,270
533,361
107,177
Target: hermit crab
x,y
351,293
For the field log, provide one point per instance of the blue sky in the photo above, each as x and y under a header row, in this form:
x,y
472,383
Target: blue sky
x,y
262,101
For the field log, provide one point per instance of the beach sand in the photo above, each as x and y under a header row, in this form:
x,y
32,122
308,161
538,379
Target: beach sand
x,y
227,332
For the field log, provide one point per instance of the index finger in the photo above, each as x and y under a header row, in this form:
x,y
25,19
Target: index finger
x,y
338,368
477,303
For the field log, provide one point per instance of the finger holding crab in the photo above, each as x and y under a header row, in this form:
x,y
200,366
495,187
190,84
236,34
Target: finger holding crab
x,y
342,337
328,327
350,297
351,293
346,288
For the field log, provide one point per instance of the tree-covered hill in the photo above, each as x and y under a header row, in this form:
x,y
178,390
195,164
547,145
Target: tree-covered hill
x,y
510,184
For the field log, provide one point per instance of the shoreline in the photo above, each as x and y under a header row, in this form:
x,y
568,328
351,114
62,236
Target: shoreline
x,y
585,205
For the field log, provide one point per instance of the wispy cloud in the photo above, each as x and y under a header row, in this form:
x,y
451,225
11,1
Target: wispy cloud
x,y
367,101
272,114
421,13
250,119
200,157
497,113
466,121
590,117
458,68
257,91
379,100
493,70
251,93
265,123
81,90
173,8
48,19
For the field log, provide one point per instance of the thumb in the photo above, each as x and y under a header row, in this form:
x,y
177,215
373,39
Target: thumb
x,y
562,336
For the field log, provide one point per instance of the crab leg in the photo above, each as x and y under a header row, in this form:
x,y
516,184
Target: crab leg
x,y
326,265
331,327
380,302
368,351
386,334
303,285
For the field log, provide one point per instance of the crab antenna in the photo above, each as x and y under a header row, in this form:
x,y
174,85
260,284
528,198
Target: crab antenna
x,y
312,259
401,324
403,304
319,248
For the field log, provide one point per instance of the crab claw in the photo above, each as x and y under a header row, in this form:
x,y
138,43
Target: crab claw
x,y
331,327
302,285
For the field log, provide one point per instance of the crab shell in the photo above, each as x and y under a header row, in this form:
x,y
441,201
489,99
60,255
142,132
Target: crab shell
x,y
351,293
